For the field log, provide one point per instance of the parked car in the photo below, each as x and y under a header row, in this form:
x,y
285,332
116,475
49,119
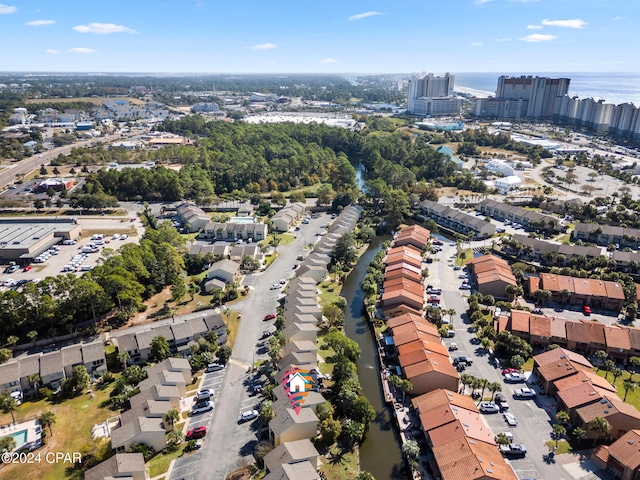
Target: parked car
x,y
27,268
197,432
506,371
514,378
453,346
501,401
488,407
275,286
586,310
465,286
250,415
434,291
509,435
467,361
457,267
202,408
214,367
463,276
513,449
270,316
524,393
204,395
510,418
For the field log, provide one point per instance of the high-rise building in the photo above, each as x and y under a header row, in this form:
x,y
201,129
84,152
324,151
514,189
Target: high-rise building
x,y
431,95
540,94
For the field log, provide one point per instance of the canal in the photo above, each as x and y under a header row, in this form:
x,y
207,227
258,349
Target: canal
x,y
380,452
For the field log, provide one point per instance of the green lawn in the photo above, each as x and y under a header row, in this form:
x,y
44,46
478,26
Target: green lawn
x,y
330,292
285,239
465,255
75,419
269,259
528,365
563,446
160,463
633,398
339,465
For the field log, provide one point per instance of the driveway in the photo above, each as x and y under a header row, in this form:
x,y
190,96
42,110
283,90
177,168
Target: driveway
x,y
228,441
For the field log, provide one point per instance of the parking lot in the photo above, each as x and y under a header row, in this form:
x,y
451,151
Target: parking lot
x,y
56,262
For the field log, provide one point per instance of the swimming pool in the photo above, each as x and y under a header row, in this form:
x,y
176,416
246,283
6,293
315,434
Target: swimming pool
x,y
242,220
20,437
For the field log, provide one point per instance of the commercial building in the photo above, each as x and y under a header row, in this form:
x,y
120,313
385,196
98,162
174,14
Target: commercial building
x,y
431,95
522,97
22,240
507,184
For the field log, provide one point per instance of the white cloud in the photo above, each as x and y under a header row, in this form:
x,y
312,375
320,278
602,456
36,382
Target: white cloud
x,y
538,37
39,23
103,28
574,23
508,39
50,51
360,16
523,1
534,27
328,60
476,44
617,18
81,50
264,46
4,9
482,2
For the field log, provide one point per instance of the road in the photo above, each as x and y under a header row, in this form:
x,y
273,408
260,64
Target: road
x,y
534,426
230,443
28,164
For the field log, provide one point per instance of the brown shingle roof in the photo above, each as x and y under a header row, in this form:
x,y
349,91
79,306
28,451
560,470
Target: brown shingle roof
x,y
434,363
539,325
428,401
615,405
626,450
581,394
614,290
520,321
617,337
584,376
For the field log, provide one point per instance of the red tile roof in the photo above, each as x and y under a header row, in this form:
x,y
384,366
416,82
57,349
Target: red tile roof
x,y
617,337
626,450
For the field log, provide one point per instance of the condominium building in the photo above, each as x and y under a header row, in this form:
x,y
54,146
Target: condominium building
x,y
432,95
522,97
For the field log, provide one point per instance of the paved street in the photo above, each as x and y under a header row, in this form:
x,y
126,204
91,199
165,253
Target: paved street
x,y
228,442
534,423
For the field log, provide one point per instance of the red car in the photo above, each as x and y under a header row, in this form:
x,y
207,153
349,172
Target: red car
x,y
27,268
587,310
197,432
271,316
510,370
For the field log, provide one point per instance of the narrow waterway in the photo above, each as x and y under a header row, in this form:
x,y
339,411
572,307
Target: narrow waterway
x,y
380,453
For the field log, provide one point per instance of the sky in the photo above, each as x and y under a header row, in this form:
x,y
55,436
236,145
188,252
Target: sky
x,y
329,36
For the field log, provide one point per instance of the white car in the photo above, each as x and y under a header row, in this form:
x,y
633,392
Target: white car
x,y
250,415
115,236
124,236
488,407
514,378
275,286
524,393
510,418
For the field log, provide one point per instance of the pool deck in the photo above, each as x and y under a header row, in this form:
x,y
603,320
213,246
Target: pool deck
x,y
34,433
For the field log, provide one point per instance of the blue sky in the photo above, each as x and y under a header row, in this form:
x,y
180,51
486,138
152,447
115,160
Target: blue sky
x,y
354,36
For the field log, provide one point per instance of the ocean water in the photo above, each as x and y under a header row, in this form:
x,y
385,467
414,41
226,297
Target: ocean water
x,y
612,87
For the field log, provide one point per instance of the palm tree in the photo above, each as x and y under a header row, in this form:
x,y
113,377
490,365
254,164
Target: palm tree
x,y
34,380
502,439
124,357
600,426
609,365
175,437
47,419
451,312
466,380
562,417
7,444
634,362
616,372
483,383
8,404
172,417
494,387
628,385
602,356
579,433
558,431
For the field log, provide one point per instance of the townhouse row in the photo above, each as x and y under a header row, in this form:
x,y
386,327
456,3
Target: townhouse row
x,y
582,336
27,372
294,456
180,335
463,446
579,291
584,395
527,218
456,220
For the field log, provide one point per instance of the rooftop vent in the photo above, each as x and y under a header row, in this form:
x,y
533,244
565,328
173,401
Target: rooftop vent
x,y
606,411
630,442
489,470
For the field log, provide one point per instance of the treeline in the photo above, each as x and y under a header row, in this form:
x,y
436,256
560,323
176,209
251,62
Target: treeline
x,y
238,158
122,280
481,137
